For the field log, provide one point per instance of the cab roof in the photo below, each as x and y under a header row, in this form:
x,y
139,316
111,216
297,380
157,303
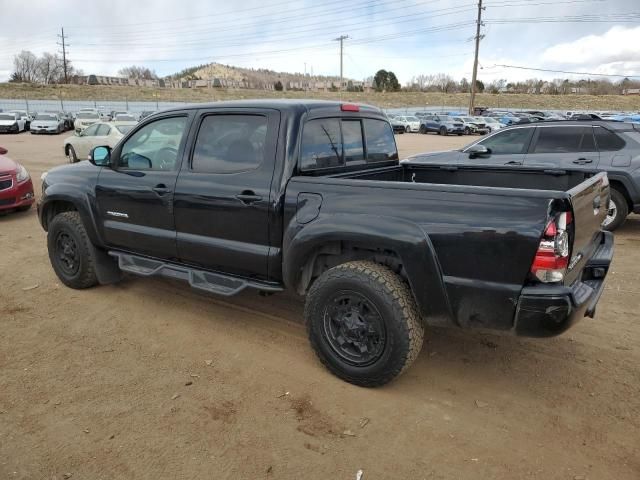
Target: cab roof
x,y
284,105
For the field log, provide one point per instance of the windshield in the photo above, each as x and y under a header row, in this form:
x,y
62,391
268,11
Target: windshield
x,y
87,116
46,116
124,128
446,118
467,119
412,119
490,120
4,116
127,118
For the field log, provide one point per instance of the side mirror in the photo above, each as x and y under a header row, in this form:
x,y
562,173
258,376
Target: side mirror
x,y
78,130
478,150
100,156
3,151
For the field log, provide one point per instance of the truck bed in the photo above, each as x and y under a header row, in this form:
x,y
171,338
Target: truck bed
x,y
482,226
499,177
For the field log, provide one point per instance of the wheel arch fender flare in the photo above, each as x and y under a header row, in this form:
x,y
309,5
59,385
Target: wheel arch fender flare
x,y
630,192
84,204
405,239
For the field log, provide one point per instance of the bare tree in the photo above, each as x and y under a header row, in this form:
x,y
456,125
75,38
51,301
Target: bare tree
x,y
138,72
25,67
50,68
444,82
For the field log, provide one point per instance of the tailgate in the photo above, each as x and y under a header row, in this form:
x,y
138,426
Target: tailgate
x,y
589,201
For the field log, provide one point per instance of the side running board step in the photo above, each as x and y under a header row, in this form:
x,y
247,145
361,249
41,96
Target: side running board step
x,y
208,281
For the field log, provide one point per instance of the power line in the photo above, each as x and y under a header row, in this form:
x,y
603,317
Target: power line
x,y
321,26
565,71
307,47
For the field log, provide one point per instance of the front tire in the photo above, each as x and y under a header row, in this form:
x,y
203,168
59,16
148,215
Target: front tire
x,y
617,212
407,129
69,251
363,323
467,131
443,131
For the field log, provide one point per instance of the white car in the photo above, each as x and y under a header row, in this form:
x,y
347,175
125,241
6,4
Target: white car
x,y
47,123
492,124
25,116
124,119
101,134
85,119
411,123
11,122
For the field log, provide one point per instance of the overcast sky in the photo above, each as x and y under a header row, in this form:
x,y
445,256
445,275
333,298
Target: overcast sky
x,y
410,37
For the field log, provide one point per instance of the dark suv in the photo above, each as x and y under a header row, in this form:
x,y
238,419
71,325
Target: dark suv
x,y
589,144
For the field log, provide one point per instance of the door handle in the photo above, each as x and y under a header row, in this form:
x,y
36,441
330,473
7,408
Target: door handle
x,y
513,162
248,197
582,161
161,189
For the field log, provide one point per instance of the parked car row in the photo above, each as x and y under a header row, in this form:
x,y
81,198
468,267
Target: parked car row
x,y
55,122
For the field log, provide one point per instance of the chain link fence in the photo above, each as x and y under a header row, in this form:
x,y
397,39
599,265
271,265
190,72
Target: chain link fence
x,y
33,106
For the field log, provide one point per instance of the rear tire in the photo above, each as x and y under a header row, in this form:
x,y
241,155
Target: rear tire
x,y
71,154
423,129
363,323
618,211
69,251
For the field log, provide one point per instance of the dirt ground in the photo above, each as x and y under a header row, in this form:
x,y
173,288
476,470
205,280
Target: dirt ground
x,y
150,379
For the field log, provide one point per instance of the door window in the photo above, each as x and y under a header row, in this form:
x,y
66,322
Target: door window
x,y
509,142
90,131
230,144
155,146
564,140
608,141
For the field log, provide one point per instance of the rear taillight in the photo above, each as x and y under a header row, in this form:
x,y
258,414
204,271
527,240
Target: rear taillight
x,y
552,258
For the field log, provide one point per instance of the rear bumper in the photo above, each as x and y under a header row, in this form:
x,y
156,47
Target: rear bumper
x,y
548,310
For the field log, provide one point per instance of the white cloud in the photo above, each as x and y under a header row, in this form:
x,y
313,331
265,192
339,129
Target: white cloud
x,y
618,47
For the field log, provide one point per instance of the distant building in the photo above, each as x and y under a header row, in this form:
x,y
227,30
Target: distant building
x,y
631,91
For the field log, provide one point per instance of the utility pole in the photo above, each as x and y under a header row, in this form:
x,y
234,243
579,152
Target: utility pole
x,y
64,45
341,39
475,60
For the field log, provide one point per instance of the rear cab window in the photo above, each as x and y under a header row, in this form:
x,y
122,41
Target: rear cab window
x,y
334,143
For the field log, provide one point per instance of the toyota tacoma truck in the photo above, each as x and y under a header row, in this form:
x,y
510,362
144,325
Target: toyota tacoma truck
x,y
310,196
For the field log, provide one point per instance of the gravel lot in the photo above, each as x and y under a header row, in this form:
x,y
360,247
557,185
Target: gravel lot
x,y
150,379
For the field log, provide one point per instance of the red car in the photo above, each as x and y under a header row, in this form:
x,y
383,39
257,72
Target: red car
x,y
16,189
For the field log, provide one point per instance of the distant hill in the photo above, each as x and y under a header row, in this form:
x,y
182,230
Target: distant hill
x,y
256,78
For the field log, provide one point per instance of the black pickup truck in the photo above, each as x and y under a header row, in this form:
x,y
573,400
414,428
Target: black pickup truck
x,y
310,196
